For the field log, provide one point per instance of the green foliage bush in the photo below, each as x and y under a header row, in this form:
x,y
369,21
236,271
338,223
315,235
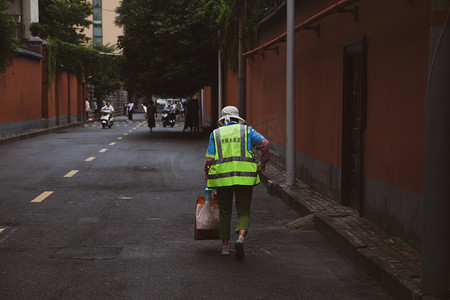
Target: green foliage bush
x,y
8,40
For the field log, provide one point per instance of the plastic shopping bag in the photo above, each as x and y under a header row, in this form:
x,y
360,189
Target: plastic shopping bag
x,y
206,220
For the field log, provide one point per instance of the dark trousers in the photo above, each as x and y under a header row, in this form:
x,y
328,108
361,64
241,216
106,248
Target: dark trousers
x,y
243,195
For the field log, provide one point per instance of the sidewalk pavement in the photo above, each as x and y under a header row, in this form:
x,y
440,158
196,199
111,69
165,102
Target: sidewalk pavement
x,y
388,260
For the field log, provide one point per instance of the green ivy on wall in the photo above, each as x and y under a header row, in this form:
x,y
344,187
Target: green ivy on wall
x,y
8,40
80,60
228,24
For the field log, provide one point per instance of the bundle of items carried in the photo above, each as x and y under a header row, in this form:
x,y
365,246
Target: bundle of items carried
x,y
206,218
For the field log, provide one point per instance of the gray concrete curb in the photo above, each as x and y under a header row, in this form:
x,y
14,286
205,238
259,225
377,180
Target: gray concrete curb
x,y
38,132
378,263
367,260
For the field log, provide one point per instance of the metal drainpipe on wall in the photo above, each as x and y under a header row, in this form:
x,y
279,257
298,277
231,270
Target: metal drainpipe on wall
x,y
219,62
436,207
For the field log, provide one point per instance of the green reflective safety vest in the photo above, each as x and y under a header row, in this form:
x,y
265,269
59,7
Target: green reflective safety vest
x,y
234,164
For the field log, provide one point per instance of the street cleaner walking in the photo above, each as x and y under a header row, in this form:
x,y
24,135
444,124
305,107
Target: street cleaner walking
x,y
230,167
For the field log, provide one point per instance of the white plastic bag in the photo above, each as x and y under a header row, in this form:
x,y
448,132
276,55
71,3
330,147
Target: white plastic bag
x,y
207,216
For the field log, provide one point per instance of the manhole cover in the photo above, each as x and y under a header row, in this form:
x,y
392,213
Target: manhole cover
x,y
88,253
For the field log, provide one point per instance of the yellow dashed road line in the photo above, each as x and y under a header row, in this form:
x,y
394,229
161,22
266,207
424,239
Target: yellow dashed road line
x,y
126,133
103,150
119,138
90,158
71,173
112,144
42,196
1,229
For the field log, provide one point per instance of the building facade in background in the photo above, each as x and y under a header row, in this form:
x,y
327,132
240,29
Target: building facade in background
x,y
24,13
104,31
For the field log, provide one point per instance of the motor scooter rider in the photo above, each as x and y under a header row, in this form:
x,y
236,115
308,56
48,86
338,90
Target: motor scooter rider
x,y
110,108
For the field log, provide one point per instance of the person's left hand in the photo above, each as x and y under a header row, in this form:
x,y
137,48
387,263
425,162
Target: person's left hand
x,y
261,167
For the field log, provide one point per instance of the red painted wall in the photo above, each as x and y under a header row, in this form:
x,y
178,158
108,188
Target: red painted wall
x,y
18,97
230,93
207,103
25,95
397,74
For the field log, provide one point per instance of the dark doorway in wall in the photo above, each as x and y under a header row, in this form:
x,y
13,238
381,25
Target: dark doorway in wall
x,y
354,123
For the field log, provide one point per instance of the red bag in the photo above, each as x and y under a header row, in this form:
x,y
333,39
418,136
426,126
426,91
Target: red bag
x,y
206,220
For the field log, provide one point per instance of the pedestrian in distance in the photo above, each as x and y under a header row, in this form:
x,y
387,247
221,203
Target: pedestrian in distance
x,y
88,109
125,108
231,169
151,114
188,121
195,119
144,108
95,107
130,111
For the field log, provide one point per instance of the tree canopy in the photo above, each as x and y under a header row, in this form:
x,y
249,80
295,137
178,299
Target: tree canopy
x,y
64,20
228,26
170,47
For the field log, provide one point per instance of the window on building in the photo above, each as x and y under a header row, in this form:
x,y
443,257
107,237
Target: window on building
x,y
97,21
97,30
98,40
97,10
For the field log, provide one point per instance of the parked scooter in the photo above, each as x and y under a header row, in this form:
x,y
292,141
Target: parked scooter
x,y
168,117
105,119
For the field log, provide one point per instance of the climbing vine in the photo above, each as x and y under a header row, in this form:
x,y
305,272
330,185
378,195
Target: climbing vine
x,y
228,24
82,61
8,40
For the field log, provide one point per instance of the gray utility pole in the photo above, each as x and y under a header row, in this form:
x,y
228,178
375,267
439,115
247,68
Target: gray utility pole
x,y
290,94
219,76
242,67
436,202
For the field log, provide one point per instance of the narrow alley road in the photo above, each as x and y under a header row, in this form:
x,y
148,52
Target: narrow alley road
x,y
92,213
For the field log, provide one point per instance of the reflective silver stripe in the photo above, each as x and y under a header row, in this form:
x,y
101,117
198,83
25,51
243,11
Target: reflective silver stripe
x,y
243,146
231,174
234,158
219,143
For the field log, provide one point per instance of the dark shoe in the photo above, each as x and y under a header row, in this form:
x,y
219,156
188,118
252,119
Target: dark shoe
x,y
239,246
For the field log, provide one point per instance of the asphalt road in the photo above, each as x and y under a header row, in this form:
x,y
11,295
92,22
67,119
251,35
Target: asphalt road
x,y
91,213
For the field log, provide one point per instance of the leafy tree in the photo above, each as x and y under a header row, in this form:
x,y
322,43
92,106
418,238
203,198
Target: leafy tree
x,y
228,24
8,40
65,20
106,79
170,47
